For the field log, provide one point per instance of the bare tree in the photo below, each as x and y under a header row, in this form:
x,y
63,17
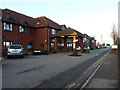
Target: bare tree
x,y
114,35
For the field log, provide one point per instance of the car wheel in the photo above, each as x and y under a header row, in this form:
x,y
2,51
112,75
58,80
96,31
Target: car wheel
x,y
22,56
8,57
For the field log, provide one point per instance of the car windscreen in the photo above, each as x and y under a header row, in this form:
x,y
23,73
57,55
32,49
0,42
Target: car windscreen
x,y
15,47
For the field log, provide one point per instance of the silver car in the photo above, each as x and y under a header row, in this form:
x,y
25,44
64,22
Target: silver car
x,y
15,50
87,49
78,48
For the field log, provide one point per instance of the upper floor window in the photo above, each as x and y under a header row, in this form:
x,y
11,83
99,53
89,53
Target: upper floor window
x,y
38,22
0,18
8,26
53,31
22,29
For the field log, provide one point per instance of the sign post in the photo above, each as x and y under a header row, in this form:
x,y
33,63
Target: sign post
x,y
74,45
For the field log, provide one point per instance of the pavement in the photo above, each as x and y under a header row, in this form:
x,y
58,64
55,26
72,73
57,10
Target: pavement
x,y
107,74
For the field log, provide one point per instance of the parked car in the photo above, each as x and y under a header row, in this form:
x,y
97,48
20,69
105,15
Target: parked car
x,y
78,48
87,49
99,47
15,50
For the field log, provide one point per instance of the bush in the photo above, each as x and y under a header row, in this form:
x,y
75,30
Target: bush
x,y
30,53
91,48
44,52
52,50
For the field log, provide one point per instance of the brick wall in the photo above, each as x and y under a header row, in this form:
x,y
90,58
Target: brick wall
x,y
80,43
41,39
16,37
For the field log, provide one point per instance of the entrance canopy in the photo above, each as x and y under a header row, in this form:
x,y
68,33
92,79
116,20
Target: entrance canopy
x,y
68,32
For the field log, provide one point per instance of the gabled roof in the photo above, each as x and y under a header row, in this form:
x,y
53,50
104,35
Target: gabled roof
x,y
88,37
44,21
21,19
63,27
17,18
79,33
85,35
68,32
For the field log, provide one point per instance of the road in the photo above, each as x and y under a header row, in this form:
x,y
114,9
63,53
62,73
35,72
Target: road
x,y
56,71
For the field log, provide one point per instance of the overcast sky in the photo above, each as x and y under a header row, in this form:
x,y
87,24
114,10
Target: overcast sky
x,y
93,17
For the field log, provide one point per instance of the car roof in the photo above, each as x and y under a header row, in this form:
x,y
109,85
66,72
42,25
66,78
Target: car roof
x,y
15,45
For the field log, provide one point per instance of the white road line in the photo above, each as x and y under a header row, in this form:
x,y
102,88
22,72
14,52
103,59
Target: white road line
x,y
101,62
95,65
72,85
91,76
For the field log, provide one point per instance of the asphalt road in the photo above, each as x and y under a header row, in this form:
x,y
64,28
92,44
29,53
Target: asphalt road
x,y
65,78
52,71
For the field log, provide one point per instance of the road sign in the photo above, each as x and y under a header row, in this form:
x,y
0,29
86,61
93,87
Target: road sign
x,y
75,40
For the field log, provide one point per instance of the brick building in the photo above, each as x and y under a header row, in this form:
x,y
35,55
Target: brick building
x,y
67,40
36,32
89,41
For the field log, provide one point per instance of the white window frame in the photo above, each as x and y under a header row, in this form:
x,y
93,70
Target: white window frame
x,y
6,44
53,31
7,26
38,22
21,29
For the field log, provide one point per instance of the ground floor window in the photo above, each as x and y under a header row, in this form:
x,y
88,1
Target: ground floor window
x,y
69,45
52,44
6,44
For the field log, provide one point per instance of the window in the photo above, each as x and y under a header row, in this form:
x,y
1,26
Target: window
x,y
53,31
15,47
8,26
22,29
84,39
38,22
6,44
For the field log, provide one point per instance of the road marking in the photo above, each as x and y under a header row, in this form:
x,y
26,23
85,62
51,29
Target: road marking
x,y
91,76
71,85
98,66
93,68
96,54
